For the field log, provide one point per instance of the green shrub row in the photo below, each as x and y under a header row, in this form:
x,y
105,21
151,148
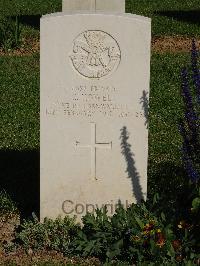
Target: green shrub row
x,y
134,235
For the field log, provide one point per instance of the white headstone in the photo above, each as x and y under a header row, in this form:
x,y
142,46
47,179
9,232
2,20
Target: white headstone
x,y
94,5
95,71
74,5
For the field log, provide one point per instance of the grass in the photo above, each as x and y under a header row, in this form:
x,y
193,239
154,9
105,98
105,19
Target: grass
x,y
19,130
168,17
165,158
165,105
19,123
29,7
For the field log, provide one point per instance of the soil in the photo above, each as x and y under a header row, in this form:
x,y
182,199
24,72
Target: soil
x,y
10,254
172,44
22,258
8,225
159,44
28,47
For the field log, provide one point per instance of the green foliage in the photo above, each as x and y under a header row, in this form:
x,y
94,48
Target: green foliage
x,y
136,235
165,158
133,235
51,235
29,7
19,108
170,17
196,204
10,33
7,206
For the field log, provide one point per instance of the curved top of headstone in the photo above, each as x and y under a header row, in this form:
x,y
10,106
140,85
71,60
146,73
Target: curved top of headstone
x,y
94,5
90,13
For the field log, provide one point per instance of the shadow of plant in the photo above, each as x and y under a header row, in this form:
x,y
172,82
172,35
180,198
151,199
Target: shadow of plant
x,y
131,168
145,106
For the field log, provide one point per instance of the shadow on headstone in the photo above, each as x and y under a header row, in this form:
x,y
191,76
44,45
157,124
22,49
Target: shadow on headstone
x,y
131,168
190,16
20,179
145,106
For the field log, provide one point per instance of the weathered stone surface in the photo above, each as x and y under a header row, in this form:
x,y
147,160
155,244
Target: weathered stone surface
x,y
94,5
111,5
95,71
76,5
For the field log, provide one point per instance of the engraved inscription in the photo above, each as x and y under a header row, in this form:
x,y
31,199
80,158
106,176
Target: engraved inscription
x,y
91,101
93,146
95,54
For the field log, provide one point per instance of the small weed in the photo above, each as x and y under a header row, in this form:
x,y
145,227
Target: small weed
x,y
7,206
10,33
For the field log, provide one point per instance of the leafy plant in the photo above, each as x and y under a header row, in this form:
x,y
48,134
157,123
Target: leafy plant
x,y
7,206
53,235
133,235
10,33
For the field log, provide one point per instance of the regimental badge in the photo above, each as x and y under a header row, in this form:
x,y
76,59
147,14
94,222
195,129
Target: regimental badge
x,y
95,54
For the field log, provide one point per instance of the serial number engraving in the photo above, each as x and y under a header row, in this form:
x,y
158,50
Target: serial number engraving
x,y
89,101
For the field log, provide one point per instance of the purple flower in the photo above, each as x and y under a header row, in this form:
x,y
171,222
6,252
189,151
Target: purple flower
x,y
189,167
189,126
190,114
195,69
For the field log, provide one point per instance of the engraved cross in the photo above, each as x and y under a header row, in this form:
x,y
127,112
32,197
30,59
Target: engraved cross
x,y
93,147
